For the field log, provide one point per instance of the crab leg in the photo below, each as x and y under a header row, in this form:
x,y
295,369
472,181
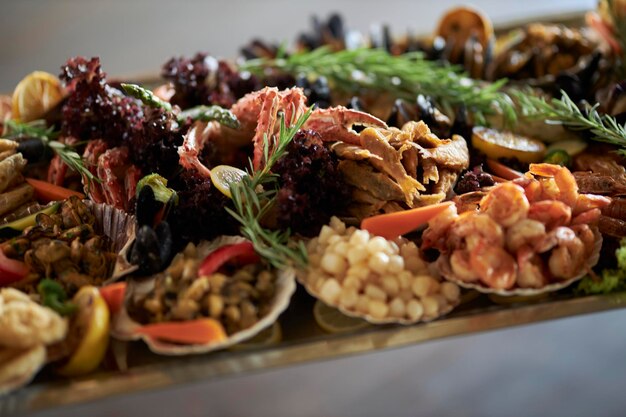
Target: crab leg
x,y
335,124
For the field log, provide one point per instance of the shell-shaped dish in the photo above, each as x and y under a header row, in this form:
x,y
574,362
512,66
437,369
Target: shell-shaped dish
x,y
119,227
123,326
443,264
302,279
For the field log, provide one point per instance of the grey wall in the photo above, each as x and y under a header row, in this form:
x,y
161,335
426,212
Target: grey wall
x,y
138,36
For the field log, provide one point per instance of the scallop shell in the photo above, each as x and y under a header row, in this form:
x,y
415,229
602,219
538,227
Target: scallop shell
x,y
302,279
123,325
114,223
119,227
443,263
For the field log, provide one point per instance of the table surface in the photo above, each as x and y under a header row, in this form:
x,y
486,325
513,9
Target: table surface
x,y
568,367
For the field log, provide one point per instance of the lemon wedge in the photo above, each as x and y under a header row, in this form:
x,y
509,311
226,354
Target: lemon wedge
x,y
332,320
496,144
35,95
222,176
92,323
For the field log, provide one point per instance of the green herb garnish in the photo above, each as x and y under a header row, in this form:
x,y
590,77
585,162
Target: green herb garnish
x,y
158,184
255,195
404,76
53,296
564,111
37,129
612,280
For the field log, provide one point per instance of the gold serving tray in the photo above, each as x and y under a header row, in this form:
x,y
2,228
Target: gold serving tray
x,y
303,340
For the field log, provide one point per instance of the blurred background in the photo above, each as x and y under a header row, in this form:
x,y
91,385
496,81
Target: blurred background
x,y
571,367
134,37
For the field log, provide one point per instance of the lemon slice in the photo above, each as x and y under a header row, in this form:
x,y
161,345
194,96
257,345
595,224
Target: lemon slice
x,y
572,146
223,176
332,320
268,337
461,23
496,144
35,95
92,322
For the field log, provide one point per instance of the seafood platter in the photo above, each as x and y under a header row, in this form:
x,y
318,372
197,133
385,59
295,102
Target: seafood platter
x,y
348,193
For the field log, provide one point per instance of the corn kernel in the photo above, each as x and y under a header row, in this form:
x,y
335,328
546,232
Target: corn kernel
x,y
378,309
330,291
451,291
421,285
390,286
375,293
333,264
414,310
378,262
397,308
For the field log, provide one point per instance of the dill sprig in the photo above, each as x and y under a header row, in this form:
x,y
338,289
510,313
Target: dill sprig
x,y
38,129
255,195
563,111
404,76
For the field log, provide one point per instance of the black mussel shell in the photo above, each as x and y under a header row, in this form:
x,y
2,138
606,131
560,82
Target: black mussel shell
x,y
33,150
146,207
400,114
146,251
166,243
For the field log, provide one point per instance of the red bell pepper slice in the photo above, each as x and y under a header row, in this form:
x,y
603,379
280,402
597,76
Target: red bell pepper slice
x,y
113,294
243,253
11,270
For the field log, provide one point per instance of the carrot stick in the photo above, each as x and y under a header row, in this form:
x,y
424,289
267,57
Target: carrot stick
x,y
46,191
392,225
193,332
503,170
113,294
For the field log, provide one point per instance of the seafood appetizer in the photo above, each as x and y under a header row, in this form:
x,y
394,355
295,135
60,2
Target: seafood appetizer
x,y
388,175
528,233
210,297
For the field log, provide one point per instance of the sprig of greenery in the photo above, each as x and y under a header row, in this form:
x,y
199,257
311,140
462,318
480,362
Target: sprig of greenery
x,y
255,195
38,129
612,280
564,111
146,96
54,296
404,76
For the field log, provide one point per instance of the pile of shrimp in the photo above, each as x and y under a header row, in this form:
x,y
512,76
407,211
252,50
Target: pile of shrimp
x,y
526,233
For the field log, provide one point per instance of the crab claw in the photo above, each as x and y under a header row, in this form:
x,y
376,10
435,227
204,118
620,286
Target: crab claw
x,y
335,124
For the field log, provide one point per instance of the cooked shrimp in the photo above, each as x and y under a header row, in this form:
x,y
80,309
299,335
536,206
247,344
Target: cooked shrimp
x,y
568,258
524,233
506,203
587,202
470,227
551,213
460,265
554,238
588,217
437,232
530,269
563,178
495,267
587,236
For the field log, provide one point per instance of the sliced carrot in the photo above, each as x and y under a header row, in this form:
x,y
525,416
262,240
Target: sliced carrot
x,y
113,294
193,332
503,171
45,191
392,225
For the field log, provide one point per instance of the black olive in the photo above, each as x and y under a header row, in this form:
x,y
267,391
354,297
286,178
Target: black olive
x,y
33,149
147,207
145,252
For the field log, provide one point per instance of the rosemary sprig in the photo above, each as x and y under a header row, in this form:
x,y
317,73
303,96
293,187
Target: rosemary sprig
x,y
38,129
564,111
255,195
404,76
203,113
146,96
